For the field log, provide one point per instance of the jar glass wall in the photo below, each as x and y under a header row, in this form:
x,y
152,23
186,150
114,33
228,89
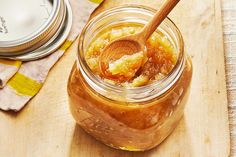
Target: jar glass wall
x,y
133,119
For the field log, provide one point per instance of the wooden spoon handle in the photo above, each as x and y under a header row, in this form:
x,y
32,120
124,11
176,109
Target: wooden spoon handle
x,y
151,26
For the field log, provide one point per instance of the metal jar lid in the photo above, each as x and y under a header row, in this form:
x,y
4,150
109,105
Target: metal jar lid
x,y
31,29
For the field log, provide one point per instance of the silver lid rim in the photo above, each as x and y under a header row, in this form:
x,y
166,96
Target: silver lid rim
x,y
40,40
57,40
55,11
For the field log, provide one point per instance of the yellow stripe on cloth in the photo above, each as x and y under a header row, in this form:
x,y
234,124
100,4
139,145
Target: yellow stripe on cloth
x,y
24,85
11,62
66,45
96,1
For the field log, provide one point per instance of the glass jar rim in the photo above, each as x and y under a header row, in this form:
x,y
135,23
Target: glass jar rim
x,y
101,84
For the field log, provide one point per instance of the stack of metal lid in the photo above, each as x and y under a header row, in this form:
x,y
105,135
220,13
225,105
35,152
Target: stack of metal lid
x,y
32,29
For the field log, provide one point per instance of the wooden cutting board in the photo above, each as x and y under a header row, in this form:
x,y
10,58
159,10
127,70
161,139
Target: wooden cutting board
x,y
46,128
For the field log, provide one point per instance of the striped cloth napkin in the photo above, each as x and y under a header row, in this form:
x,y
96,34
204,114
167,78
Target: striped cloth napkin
x,y
20,81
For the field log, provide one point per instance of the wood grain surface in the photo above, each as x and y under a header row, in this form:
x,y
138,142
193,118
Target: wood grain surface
x,y
229,23
45,127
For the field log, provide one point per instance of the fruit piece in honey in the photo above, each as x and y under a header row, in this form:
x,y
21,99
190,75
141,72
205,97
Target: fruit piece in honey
x,y
159,59
127,65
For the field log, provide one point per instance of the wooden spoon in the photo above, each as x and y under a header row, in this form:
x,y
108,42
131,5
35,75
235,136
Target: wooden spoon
x,y
133,43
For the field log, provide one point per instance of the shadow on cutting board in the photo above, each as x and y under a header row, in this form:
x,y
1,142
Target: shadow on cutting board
x,y
84,145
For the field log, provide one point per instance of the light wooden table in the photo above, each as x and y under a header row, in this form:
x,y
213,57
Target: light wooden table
x,y
229,22
39,132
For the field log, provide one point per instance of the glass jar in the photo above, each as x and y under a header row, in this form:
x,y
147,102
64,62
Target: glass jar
x,y
134,119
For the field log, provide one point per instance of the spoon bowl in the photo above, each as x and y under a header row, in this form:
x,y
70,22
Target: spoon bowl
x,y
116,50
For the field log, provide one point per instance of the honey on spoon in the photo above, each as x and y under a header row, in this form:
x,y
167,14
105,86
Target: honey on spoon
x,y
129,52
